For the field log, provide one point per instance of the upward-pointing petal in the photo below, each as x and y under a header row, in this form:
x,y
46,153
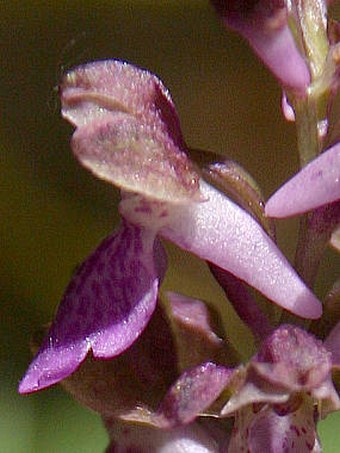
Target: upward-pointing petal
x,y
128,131
95,89
105,307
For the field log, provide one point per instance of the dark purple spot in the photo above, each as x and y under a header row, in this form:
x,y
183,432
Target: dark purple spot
x,y
295,429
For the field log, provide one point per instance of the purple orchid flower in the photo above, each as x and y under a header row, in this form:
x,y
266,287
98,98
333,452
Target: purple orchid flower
x,y
127,133
264,24
315,185
274,401
287,387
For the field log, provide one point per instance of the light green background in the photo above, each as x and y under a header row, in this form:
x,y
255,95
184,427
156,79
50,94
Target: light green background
x,y
53,212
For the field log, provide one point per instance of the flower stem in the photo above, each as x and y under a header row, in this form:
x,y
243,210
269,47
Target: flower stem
x,y
308,144
307,129
308,148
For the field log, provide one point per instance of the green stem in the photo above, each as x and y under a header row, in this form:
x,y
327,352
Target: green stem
x,y
307,130
308,148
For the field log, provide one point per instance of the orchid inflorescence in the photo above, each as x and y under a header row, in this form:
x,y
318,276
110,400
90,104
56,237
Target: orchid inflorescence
x,y
158,369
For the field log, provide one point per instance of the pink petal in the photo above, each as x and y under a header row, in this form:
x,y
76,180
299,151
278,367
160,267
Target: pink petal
x,y
278,51
194,325
315,185
105,307
293,359
264,25
194,315
192,394
287,109
221,232
128,131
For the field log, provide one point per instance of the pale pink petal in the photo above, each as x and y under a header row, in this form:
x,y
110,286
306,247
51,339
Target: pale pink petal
x,y
287,109
279,52
221,232
195,329
193,314
264,24
105,307
315,185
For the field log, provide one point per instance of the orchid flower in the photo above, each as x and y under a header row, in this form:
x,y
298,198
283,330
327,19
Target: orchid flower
x,y
128,133
287,388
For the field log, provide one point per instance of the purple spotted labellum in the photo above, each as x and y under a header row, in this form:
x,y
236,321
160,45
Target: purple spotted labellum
x,y
127,133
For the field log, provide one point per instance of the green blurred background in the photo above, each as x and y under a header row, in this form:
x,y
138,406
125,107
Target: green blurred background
x,y
53,212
